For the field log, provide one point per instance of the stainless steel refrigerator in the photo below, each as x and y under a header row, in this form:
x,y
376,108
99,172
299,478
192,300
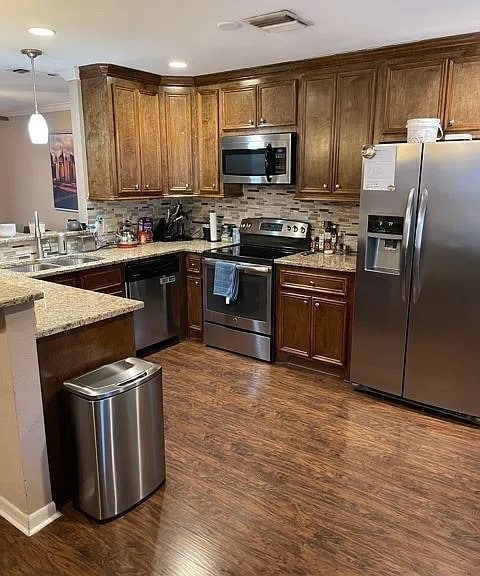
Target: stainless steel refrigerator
x,y
416,330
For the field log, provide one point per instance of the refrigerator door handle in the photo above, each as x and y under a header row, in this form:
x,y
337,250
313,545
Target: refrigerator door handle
x,y
417,255
407,225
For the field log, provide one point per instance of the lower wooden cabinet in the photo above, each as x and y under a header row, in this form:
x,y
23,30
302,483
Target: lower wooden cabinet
x,y
194,295
313,318
107,279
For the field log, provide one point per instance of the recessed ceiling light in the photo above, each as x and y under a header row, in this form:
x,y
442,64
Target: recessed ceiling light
x,y
177,64
41,31
229,25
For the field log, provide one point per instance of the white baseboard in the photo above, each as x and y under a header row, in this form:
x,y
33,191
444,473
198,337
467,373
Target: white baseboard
x,y
29,524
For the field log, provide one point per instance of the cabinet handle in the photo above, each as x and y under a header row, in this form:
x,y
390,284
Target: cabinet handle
x,y
147,186
317,304
137,187
325,186
262,120
337,186
451,122
250,122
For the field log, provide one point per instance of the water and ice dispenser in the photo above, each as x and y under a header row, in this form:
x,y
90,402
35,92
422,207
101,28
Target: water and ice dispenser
x,y
384,241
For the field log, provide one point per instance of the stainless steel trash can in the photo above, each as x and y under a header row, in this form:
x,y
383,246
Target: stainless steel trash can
x,y
117,421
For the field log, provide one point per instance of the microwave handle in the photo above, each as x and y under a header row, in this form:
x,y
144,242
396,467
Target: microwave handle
x,y
269,162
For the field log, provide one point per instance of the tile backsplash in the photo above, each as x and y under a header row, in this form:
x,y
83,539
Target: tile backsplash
x,y
263,201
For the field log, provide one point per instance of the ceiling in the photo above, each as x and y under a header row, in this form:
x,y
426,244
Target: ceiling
x,y
147,34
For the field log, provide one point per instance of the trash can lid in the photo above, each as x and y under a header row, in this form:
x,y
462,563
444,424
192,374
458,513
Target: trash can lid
x,y
112,379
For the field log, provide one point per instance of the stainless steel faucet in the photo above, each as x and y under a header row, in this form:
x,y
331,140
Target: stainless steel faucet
x,y
38,237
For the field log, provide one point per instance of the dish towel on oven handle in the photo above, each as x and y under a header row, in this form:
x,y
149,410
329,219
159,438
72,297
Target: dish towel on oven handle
x,y
226,281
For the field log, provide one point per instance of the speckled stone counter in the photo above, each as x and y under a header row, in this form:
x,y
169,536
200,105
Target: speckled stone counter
x,y
12,294
335,262
108,256
59,308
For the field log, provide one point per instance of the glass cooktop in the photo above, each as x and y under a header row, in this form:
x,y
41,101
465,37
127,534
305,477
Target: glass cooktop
x,y
249,253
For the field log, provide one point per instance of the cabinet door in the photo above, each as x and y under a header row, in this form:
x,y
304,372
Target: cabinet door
x,y
316,117
207,137
294,324
178,115
239,107
413,90
127,139
353,128
463,95
194,302
329,320
150,142
277,103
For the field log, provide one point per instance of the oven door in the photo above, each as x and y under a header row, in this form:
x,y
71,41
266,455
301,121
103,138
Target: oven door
x,y
259,159
252,310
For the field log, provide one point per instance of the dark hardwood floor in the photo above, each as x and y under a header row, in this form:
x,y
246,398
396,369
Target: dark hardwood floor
x,y
277,471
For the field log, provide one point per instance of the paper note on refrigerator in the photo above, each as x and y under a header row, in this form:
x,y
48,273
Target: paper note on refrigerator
x,y
379,171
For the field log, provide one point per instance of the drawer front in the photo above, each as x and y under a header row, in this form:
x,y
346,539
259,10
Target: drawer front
x,y
103,279
316,282
194,263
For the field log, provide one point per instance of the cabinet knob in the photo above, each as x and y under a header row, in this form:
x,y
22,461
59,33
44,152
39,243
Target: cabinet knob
x,y
337,186
250,122
317,304
147,186
137,187
192,264
187,186
214,185
305,302
262,120
196,282
325,186
312,283
451,122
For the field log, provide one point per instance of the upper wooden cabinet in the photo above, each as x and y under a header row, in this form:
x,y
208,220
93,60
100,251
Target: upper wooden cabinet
x,y
411,90
336,119
267,104
123,131
207,142
179,140
462,111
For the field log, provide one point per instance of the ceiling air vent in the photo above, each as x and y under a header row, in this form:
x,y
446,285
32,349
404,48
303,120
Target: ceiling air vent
x,y
21,71
281,21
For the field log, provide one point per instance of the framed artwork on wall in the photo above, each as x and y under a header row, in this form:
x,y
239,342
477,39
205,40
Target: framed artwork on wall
x,y
64,180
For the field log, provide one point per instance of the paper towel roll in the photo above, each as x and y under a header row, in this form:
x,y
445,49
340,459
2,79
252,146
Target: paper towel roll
x,y
213,227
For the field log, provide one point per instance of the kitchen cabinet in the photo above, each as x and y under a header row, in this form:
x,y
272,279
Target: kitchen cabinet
x,y
336,119
194,295
313,318
123,134
462,111
412,89
179,139
106,279
207,142
267,104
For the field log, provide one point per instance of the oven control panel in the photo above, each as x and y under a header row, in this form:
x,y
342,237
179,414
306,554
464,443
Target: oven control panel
x,y
275,227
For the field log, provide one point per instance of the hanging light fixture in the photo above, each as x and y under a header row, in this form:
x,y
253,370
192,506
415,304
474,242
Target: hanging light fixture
x,y
37,125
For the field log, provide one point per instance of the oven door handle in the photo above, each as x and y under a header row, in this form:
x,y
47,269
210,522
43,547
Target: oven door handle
x,y
252,268
269,162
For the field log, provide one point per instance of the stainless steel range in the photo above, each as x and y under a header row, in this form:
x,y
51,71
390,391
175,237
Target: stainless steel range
x,y
246,325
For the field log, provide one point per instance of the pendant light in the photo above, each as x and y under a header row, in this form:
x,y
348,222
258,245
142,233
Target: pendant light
x,y
37,125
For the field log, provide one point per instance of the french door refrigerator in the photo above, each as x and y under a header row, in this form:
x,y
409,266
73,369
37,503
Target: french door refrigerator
x,y
416,330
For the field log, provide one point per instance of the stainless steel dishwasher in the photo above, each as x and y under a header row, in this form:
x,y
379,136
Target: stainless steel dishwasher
x,y
156,283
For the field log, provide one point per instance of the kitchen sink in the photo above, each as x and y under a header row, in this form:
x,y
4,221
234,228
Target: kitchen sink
x,y
33,267
74,260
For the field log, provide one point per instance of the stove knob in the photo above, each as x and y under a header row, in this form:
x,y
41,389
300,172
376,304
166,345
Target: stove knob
x,y
295,228
249,225
289,228
302,230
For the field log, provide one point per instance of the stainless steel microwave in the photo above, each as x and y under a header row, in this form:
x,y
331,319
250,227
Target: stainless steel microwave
x,y
259,159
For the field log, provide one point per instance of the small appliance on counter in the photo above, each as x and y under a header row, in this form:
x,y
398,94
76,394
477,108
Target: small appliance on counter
x,y
127,237
145,230
74,225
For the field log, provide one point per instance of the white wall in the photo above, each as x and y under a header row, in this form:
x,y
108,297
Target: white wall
x,y
25,180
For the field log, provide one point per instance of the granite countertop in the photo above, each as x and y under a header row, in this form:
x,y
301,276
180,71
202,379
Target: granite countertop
x,y
335,262
59,308
109,256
